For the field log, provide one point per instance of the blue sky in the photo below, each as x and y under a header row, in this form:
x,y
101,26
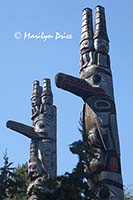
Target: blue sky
x,y
22,61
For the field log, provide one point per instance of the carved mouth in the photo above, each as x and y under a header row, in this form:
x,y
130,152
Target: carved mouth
x,y
34,174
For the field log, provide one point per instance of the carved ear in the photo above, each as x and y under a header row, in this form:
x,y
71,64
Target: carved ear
x,y
87,29
86,42
37,90
100,24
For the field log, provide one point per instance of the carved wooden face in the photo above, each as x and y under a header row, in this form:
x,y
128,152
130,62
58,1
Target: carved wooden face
x,y
86,45
43,123
47,99
35,101
35,168
101,45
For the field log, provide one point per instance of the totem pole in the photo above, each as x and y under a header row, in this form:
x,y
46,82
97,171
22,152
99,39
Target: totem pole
x,y
42,163
95,87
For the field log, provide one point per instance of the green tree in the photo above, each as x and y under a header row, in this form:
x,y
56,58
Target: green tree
x,y
128,194
6,179
13,181
20,176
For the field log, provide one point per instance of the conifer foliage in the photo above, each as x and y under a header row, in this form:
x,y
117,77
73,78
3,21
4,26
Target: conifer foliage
x,y
13,181
70,186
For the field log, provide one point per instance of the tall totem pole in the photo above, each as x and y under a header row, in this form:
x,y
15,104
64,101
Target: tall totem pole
x,y
42,163
95,87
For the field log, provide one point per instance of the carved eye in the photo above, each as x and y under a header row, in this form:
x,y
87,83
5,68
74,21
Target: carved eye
x,y
96,79
104,193
34,166
86,44
102,104
41,125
